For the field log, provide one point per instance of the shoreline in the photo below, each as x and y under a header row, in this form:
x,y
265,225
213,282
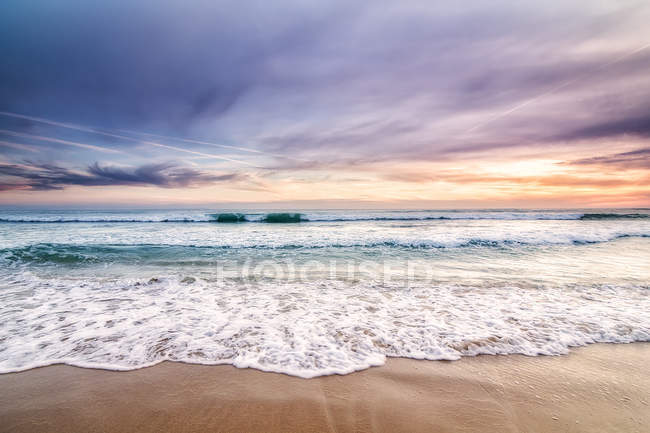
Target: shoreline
x,y
599,388
388,359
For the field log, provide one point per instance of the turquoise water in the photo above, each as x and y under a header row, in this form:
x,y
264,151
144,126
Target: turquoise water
x,y
337,292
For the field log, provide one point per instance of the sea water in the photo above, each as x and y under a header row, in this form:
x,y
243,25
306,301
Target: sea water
x,y
317,293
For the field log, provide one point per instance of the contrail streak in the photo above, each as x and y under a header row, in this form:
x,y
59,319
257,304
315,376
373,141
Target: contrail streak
x,y
108,134
59,141
225,146
553,90
18,146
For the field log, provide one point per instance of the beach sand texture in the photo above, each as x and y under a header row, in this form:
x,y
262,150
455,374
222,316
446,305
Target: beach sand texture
x,y
600,388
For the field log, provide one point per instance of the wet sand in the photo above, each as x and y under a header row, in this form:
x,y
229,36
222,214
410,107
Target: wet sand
x,y
600,388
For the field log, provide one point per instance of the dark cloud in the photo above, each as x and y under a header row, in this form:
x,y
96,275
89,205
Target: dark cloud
x,y
51,177
133,64
333,84
638,125
636,159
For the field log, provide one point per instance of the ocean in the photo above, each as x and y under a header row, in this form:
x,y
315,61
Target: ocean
x,y
310,293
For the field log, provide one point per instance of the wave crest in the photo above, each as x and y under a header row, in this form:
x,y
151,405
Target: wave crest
x,y
609,216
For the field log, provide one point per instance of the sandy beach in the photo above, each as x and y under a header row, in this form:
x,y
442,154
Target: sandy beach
x,y
600,388
337,216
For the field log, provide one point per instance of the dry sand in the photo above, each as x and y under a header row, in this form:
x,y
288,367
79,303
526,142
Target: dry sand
x,y
601,388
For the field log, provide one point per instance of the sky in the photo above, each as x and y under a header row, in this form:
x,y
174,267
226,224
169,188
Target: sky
x,y
416,104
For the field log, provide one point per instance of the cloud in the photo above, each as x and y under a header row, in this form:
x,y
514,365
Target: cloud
x,y
636,159
117,65
637,125
318,90
555,180
51,177
138,64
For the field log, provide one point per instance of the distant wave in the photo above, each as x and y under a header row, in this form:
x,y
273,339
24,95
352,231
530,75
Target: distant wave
x,y
299,217
609,216
45,253
283,218
98,220
225,218
229,217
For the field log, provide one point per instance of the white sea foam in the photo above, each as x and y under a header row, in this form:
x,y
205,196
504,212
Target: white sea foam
x,y
113,295
307,329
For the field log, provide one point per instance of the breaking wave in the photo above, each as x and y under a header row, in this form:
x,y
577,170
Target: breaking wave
x,y
48,253
305,330
293,217
608,216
